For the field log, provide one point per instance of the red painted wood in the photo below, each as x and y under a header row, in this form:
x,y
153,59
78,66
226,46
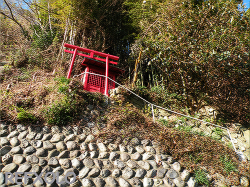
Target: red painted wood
x,y
72,63
107,74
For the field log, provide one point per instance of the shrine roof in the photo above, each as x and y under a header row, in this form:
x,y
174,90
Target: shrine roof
x,y
95,63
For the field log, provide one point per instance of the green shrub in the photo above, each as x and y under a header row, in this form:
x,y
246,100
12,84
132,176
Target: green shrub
x,y
229,166
24,116
201,177
61,113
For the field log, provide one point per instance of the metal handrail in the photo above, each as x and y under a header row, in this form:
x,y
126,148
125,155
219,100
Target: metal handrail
x,y
240,154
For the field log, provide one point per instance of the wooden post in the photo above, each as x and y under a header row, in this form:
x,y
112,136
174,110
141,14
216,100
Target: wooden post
x,y
72,63
106,78
86,75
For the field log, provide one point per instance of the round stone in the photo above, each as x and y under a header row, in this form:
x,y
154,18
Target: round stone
x,y
172,174
104,173
116,173
161,172
39,136
111,182
127,173
47,145
76,163
32,159
60,146
103,155
74,154
53,153
84,172
31,136
87,183
113,156
124,183
98,163
65,163
57,138
139,149
12,134
151,173
99,182
147,156
36,143
24,167
16,150
18,159
4,141
29,150
148,182
140,173
53,162
135,182
124,157
135,141
41,152
9,167
4,150
42,162
102,147
24,143
46,137
22,135
136,156
144,165
132,164
94,172
88,162
6,158
176,166
89,138
119,164
71,145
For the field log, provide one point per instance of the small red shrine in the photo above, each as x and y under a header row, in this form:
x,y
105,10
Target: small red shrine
x,y
93,62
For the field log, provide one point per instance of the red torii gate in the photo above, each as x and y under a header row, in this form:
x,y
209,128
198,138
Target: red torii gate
x,y
92,55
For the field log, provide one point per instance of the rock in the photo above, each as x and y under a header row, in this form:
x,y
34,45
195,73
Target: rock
x,y
113,156
16,150
158,182
178,182
139,149
102,147
76,163
144,165
132,164
127,173
21,127
87,183
113,147
103,155
70,137
22,135
94,172
165,165
3,133
6,158
89,138
9,167
46,130
29,150
168,182
123,148
41,152
185,175
65,163
111,182
145,142
55,130
42,162
53,153
130,149
148,182
124,157
108,164
84,172
153,164
2,178
24,167
147,156
88,162
57,138
135,141
151,173
24,143
170,160
104,173
32,159
98,163
47,145
39,136
36,143
135,182
64,154
136,156
244,182
58,170
99,182
116,173
12,134
53,162
46,137
36,168
84,146
31,136
71,145
140,173
123,183
161,172
93,154
4,141
172,174
74,154
18,159
4,150
176,166
119,164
